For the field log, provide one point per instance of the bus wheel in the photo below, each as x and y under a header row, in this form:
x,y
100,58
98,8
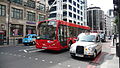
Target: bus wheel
x,y
33,43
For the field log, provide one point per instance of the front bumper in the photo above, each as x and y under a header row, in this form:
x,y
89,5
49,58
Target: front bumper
x,y
79,55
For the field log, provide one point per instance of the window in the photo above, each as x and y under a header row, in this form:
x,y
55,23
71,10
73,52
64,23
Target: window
x,y
81,7
65,13
81,18
78,11
53,8
70,21
41,17
65,6
70,1
70,7
30,16
30,4
17,13
74,16
70,14
78,17
74,9
41,7
75,22
17,1
52,15
74,3
64,0
2,10
78,5
78,0
81,13
30,29
16,30
64,19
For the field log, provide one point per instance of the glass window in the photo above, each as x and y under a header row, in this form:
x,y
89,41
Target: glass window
x,y
41,7
30,29
70,21
78,5
81,13
30,16
81,7
70,1
78,11
74,15
16,30
75,22
17,1
70,14
64,0
53,8
30,3
70,7
87,38
78,0
64,19
65,6
52,15
65,13
17,13
74,9
81,18
74,3
2,10
41,17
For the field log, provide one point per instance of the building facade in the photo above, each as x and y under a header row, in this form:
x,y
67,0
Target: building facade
x,y
95,18
73,11
19,17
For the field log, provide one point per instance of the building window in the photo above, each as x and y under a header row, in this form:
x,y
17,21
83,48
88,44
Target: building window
x,y
70,1
41,7
41,17
74,15
74,9
81,18
30,16
2,10
64,19
81,7
70,14
78,5
70,21
81,13
70,7
65,6
64,0
30,4
53,8
78,22
52,15
75,22
74,3
30,29
78,0
78,17
64,13
16,30
78,11
17,13
17,1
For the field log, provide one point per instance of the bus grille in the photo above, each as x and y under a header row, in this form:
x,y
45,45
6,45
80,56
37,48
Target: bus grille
x,y
80,50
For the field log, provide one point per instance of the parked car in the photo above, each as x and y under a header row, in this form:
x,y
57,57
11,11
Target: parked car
x,y
103,37
87,45
29,39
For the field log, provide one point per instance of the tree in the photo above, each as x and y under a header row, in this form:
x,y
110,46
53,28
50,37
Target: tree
x,y
116,20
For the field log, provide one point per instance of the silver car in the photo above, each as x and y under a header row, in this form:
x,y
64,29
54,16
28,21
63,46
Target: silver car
x,y
87,45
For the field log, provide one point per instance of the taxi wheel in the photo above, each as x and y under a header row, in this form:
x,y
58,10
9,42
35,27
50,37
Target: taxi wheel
x,y
95,54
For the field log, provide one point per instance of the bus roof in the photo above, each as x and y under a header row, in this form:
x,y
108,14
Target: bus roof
x,y
68,24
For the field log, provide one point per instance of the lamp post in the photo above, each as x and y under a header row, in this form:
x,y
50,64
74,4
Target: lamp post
x,y
8,22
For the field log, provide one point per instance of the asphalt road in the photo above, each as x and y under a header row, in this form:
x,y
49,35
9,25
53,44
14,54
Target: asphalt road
x,y
30,57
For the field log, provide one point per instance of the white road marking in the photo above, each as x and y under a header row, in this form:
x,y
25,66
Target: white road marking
x,y
25,51
29,57
59,64
68,65
51,62
43,60
36,58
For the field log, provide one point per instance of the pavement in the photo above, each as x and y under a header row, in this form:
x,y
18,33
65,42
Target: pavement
x,y
114,62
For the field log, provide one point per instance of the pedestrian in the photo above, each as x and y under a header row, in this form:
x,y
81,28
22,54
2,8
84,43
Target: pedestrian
x,y
114,39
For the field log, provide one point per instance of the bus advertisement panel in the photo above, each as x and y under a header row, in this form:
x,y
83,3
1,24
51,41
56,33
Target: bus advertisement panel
x,y
57,34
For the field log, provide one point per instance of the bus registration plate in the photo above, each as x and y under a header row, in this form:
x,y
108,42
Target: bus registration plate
x,y
79,55
44,47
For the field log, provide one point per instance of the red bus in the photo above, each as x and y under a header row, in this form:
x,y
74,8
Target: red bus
x,y
57,34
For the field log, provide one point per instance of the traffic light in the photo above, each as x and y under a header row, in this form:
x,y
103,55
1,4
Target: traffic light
x,y
116,5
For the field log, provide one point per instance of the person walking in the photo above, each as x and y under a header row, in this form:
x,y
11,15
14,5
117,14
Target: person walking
x,y
114,39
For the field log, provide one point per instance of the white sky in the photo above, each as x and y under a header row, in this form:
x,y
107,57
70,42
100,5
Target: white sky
x,y
105,5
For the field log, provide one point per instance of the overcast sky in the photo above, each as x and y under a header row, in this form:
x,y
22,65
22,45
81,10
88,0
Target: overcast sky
x,y
103,4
